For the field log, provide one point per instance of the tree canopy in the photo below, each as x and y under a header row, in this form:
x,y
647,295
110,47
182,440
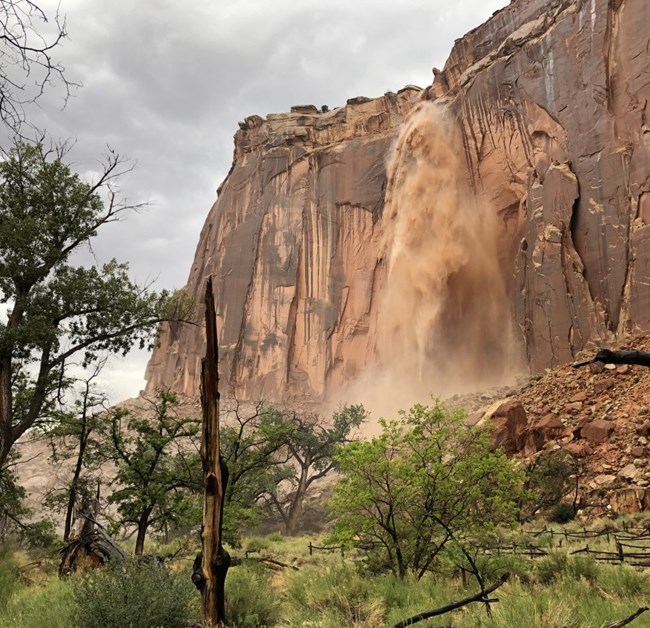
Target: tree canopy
x,y
55,309
425,483
158,466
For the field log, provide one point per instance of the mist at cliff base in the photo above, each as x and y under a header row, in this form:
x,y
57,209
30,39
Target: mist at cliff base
x,y
444,323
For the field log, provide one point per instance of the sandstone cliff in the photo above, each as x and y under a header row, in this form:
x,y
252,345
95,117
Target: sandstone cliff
x,y
549,101
291,242
553,99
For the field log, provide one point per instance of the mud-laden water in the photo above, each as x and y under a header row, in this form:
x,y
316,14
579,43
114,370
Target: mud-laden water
x,y
444,323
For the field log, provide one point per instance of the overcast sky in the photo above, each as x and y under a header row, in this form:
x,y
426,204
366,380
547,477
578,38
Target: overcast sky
x,y
165,82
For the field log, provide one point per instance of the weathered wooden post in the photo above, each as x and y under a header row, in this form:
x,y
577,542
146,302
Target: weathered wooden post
x,y
211,566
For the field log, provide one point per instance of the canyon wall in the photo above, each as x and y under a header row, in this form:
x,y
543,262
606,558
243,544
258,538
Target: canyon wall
x,y
548,101
292,245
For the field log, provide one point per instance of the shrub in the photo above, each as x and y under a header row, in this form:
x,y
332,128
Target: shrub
x,y
335,596
558,565
9,581
562,513
133,593
250,601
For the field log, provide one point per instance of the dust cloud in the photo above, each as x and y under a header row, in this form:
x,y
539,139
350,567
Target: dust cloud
x,y
444,322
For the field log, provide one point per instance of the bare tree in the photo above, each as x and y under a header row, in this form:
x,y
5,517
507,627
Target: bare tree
x,y
27,66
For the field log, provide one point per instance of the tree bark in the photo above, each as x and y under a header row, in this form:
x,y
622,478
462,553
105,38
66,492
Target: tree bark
x,y
143,524
5,411
215,561
639,358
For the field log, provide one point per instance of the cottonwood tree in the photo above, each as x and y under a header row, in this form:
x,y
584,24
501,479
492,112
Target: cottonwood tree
x,y
158,466
426,483
28,39
311,443
55,310
253,439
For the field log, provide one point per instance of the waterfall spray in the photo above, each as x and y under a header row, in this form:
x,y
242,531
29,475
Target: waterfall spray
x,y
444,324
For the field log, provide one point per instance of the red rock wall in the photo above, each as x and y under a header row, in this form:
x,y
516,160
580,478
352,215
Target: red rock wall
x,y
550,98
291,242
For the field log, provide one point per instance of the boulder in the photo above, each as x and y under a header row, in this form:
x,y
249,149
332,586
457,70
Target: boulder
x,y
630,472
629,500
509,423
597,432
543,431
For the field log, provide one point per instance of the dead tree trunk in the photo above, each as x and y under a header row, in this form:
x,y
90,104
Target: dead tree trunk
x,y
640,358
214,559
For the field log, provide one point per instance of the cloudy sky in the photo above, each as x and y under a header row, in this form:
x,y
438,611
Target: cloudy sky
x,y
165,82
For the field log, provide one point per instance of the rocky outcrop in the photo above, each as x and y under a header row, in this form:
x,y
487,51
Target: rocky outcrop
x,y
550,98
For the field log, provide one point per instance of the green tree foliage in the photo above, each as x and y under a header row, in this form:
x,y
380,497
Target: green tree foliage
x,y
158,467
253,446
16,520
425,484
72,435
56,310
274,456
311,443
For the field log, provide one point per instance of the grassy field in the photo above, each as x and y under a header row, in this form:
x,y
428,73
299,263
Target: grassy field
x,y
326,589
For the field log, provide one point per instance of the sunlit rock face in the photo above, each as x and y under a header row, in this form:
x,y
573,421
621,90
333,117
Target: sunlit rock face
x,y
291,243
549,104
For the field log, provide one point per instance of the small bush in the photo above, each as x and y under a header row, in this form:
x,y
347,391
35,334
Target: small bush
x,y
9,581
558,565
336,596
562,513
250,601
136,594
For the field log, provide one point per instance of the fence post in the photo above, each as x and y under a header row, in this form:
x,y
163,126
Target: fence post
x,y
619,549
310,548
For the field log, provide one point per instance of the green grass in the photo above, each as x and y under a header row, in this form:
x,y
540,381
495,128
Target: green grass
x,y
331,591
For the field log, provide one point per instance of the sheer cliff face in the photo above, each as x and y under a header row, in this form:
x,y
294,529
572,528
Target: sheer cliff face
x,y
552,98
549,100
292,244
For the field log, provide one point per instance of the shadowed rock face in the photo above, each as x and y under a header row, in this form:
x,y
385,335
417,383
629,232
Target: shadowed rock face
x,y
550,99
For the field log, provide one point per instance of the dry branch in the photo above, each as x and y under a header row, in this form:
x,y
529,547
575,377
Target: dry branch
x,y
479,597
630,618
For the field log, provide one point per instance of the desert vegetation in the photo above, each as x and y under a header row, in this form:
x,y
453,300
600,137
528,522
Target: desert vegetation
x,y
423,514
324,589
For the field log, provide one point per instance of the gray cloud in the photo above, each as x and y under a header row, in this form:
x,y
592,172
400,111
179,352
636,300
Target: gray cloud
x,y
166,82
